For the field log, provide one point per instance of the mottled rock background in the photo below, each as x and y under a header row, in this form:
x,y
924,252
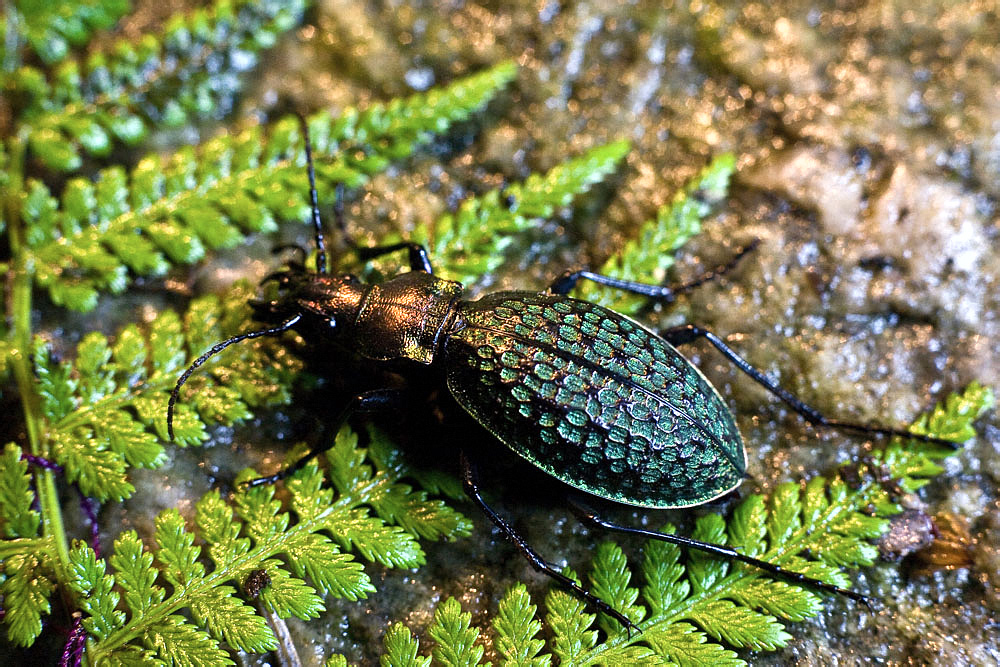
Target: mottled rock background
x,y
868,143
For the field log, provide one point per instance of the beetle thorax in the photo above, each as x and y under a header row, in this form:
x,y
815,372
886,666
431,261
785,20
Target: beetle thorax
x,y
405,317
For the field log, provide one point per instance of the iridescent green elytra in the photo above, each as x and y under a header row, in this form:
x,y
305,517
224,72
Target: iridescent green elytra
x,y
594,399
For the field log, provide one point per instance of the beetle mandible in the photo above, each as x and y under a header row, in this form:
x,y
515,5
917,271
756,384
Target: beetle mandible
x,y
590,396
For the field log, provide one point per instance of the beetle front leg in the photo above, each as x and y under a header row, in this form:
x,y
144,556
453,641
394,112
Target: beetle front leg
x,y
590,518
565,283
369,401
690,332
470,481
418,257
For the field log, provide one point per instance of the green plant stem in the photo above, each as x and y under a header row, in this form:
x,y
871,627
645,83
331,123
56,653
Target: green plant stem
x,y
20,307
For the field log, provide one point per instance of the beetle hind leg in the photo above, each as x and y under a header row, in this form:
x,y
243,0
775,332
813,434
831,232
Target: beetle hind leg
x,y
590,518
689,332
470,481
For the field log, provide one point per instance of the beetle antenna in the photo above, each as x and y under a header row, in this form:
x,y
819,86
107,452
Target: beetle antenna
x,y
215,349
314,201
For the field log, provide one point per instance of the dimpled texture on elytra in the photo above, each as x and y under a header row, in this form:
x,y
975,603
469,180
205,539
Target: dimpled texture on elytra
x,y
594,399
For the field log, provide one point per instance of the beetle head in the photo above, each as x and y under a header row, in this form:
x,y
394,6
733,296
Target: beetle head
x,y
327,304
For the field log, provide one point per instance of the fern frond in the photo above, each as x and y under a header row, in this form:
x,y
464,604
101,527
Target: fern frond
x,y
168,211
105,409
515,626
27,586
17,516
456,640
471,242
691,611
401,648
26,558
52,28
189,73
649,255
304,548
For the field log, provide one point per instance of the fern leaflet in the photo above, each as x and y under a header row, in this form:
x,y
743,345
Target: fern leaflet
x,y
305,553
170,210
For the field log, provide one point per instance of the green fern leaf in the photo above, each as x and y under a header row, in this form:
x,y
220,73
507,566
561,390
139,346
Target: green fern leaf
x,y
53,28
390,501
471,242
392,131
703,570
177,553
951,420
229,620
171,210
516,628
135,575
332,572
785,512
740,626
663,573
651,253
779,599
685,645
105,411
570,624
303,552
401,648
748,526
180,643
26,590
117,93
17,517
289,596
610,578
99,599
456,641
400,503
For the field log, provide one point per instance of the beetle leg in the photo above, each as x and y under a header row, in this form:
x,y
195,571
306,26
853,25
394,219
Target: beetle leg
x,y
369,401
470,481
588,517
419,259
565,283
690,332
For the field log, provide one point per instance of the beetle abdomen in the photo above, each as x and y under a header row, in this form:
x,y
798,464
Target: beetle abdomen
x,y
594,399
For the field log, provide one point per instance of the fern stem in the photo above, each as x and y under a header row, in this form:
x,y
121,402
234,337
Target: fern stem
x,y
20,312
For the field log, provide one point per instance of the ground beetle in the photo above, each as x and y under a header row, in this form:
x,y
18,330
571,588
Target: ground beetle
x,y
589,396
